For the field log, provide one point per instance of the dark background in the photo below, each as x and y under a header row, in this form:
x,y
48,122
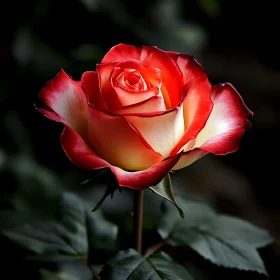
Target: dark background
x,y
235,41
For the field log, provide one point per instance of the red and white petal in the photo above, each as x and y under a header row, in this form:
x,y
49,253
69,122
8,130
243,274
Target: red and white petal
x,y
227,122
153,57
50,114
153,104
90,85
224,143
152,76
128,98
85,158
109,94
197,104
79,152
187,64
187,158
117,96
145,178
115,140
66,102
161,131
122,52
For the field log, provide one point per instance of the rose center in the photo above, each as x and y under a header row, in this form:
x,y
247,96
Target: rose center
x,y
132,80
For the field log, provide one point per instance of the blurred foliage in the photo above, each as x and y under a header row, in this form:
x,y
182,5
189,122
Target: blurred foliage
x,y
130,265
224,240
47,229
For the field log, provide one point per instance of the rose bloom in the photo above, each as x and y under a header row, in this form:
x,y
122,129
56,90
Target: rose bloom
x,y
143,113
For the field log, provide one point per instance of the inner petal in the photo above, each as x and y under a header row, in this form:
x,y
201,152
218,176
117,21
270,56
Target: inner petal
x,y
131,79
128,83
161,131
131,86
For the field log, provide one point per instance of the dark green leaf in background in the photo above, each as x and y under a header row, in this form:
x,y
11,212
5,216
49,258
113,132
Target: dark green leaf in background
x,y
53,275
129,265
70,235
224,240
74,270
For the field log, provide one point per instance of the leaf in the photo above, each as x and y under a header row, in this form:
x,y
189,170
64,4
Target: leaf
x,y
74,270
68,236
102,234
38,189
224,240
131,265
164,189
231,254
53,275
196,213
248,232
112,186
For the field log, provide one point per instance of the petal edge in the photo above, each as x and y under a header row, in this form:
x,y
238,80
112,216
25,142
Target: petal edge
x,y
85,158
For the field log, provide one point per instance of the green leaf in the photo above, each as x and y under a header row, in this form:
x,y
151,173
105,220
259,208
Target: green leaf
x,y
74,270
112,186
53,275
164,189
70,235
131,265
196,213
248,232
102,234
224,240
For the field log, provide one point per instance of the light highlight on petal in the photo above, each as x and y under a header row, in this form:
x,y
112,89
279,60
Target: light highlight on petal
x,y
161,131
115,140
85,158
197,104
66,102
227,122
153,104
188,158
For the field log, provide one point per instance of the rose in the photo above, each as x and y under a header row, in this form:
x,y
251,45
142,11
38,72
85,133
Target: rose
x,y
144,112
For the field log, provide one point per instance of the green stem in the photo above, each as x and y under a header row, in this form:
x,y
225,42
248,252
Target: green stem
x,y
138,219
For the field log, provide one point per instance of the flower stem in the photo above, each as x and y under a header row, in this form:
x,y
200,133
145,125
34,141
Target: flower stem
x,y
138,219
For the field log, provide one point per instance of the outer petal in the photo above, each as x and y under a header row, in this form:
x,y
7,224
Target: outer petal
x,y
114,139
198,104
161,131
85,158
172,81
153,104
90,85
185,63
66,102
227,122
